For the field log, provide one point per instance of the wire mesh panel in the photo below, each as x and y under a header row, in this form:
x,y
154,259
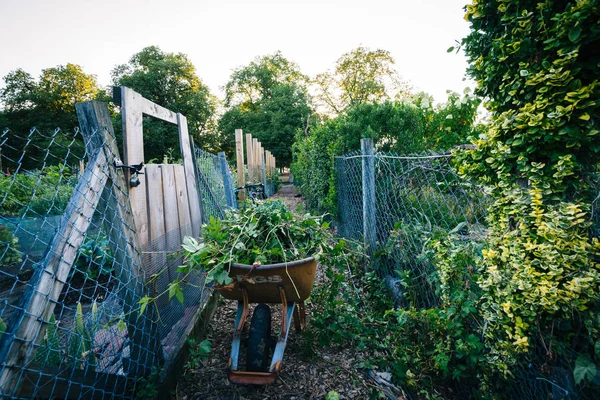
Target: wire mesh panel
x,y
415,196
70,272
212,184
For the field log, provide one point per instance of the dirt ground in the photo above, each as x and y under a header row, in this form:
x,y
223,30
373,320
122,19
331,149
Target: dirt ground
x,y
302,376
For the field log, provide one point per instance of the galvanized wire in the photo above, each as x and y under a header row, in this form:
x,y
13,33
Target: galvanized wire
x,y
415,197
57,199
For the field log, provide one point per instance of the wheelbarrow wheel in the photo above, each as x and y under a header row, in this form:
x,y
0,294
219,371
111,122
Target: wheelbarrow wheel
x,y
257,359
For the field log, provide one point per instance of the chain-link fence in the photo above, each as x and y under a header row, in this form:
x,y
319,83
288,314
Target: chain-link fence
x,y
411,199
71,276
216,184
399,206
85,312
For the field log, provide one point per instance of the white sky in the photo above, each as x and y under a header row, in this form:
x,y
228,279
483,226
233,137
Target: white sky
x,y
219,36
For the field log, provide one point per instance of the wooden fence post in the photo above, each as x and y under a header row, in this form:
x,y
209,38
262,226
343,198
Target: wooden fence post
x,y
369,204
227,181
96,125
239,156
249,156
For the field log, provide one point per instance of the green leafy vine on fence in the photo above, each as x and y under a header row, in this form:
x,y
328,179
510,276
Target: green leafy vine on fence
x,y
537,65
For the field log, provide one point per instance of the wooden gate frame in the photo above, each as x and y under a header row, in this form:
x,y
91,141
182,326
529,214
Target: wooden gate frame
x,y
133,107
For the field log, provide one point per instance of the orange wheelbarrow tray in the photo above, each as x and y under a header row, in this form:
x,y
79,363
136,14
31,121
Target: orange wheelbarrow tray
x,y
285,283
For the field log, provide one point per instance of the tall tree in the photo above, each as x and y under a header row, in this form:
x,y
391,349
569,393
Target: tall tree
x,y
360,76
170,80
268,99
47,104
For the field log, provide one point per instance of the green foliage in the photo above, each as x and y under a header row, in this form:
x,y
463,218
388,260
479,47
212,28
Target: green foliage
x,y
95,258
37,193
47,103
265,234
428,349
80,342
49,352
411,126
146,387
332,395
170,80
2,328
9,247
198,352
537,64
267,98
360,76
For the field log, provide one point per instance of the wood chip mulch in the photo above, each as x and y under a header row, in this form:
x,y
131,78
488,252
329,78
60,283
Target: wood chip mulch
x,y
303,375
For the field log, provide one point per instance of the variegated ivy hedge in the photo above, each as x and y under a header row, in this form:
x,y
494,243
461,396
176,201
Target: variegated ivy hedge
x,y
538,63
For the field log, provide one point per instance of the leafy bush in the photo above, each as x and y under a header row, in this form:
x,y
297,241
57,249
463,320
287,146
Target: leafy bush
x,y
538,64
35,193
95,258
9,247
436,349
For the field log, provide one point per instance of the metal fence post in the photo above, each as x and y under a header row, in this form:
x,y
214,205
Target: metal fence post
x,y
227,181
368,181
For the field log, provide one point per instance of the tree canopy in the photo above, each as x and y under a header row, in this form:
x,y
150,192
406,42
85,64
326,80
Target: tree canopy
x,y
268,99
360,76
170,80
49,102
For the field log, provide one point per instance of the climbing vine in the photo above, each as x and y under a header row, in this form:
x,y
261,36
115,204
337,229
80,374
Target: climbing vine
x,y
537,64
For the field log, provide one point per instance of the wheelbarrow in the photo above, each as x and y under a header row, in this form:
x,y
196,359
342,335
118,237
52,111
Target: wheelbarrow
x,y
288,284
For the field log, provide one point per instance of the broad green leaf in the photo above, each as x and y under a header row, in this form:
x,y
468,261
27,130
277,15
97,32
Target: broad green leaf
x,y
584,371
574,33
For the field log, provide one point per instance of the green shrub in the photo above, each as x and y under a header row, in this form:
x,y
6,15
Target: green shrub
x,y
9,247
95,258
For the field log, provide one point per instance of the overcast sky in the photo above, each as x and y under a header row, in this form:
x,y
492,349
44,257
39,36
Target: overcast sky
x,y
219,36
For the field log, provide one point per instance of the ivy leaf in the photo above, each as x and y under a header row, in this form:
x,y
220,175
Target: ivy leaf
x,y
584,371
574,33
190,244
143,304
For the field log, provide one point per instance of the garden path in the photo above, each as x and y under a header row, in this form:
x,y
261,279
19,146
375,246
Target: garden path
x,y
303,376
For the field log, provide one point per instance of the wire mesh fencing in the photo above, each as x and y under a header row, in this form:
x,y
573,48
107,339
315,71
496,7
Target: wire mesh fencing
x,y
216,184
400,207
85,311
412,198
71,276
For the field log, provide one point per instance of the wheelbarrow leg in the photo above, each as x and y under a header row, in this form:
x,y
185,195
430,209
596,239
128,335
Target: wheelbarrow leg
x,y
240,320
287,312
300,317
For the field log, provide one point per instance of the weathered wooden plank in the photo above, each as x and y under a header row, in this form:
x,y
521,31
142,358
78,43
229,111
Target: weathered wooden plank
x,y
263,167
119,224
227,181
48,282
183,208
193,195
171,207
155,258
239,156
156,111
249,156
133,153
255,163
